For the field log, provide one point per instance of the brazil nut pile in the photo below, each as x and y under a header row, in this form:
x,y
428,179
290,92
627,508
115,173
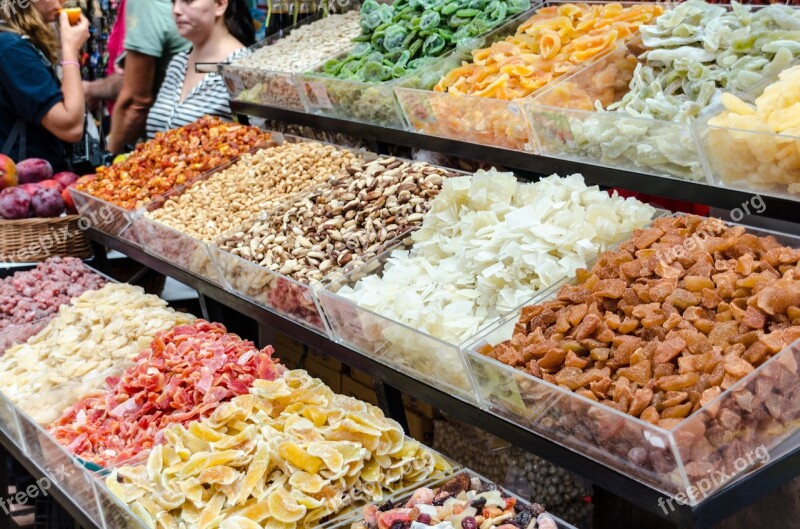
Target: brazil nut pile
x,y
345,223
255,183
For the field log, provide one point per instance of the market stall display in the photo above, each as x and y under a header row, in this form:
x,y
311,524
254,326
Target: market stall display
x,y
288,454
688,326
487,245
464,501
396,41
101,331
30,299
471,101
267,76
155,167
184,375
755,147
274,258
692,52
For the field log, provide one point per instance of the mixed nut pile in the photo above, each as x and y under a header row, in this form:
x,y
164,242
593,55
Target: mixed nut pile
x,y
255,183
347,222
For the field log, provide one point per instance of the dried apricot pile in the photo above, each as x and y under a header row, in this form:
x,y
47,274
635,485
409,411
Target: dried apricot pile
x,y
664,324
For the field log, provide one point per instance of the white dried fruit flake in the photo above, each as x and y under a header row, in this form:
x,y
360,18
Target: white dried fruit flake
x,y
96,335
489,244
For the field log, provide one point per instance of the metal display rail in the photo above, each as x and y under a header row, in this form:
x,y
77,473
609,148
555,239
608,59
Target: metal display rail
x,y
390,384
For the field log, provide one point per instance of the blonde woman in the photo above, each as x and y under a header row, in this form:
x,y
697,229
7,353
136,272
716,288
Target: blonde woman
x,y
38,113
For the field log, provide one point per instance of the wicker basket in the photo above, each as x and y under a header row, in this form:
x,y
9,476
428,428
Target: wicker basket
x,y
32,240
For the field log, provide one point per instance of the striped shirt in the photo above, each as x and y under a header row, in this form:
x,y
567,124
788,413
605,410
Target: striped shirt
x,y
209,97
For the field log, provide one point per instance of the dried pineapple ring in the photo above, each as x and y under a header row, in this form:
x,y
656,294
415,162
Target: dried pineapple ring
x,y
284,508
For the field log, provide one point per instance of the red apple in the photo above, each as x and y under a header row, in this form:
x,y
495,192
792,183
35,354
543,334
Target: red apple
x,y
65,178
52,184
34,170
70,205
8,172
31,189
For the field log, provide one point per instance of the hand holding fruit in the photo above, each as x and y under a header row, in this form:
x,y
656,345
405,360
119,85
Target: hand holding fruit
x,y
72,37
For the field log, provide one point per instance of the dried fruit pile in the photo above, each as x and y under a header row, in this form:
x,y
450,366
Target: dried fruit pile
x,y
102,330
184,376
171,159
28,300
286,455
664,324
462,502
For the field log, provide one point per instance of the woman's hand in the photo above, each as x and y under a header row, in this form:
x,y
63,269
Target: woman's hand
x,y
72,37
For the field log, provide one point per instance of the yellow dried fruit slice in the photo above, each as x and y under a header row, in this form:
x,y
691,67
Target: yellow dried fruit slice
x,y
284,508
200,461
165,520
256,471
218,475
298,457
193,490
239,522
308,483
203,431
316,415
328,453
255,510
211,511
272,523
169,499
139,510
371,471
125,492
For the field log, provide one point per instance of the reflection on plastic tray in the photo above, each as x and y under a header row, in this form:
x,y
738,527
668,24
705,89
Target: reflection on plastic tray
x,y
18,333
9,422
748,422
176,248
101,215
272,290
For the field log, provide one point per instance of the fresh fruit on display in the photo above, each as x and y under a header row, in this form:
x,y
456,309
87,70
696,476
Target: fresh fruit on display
x,y
68,202
34,170
47,202
52,184
66,178
14,203
8,172
30,189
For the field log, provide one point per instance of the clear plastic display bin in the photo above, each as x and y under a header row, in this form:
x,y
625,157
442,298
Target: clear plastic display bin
x,y
104,216
491,121
60,467
274,88
482,120
402,497
277,292
394,344
756,162
730,436
375,103
9,422
116,515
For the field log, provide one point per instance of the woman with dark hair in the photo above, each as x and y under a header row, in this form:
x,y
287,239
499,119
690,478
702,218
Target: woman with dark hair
x,y
39,113
219,30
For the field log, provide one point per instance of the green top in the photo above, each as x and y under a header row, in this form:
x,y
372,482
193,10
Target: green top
x,y
150,30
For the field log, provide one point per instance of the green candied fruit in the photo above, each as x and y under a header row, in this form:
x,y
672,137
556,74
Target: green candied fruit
x,y
425,29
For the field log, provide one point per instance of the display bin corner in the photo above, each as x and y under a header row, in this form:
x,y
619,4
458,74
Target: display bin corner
x,y
732,435
103,216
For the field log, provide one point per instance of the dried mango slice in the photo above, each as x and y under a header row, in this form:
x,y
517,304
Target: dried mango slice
x,y
210,513
284,508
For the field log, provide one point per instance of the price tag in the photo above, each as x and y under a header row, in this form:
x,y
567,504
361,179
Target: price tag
x,y
320,95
